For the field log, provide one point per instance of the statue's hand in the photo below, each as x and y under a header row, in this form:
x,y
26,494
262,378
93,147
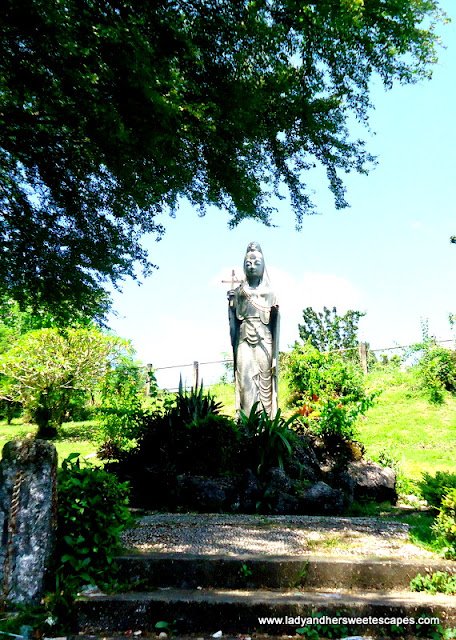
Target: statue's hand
x,y
230,295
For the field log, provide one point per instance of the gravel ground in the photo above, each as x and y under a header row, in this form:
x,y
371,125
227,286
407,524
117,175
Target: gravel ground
x,y
272,535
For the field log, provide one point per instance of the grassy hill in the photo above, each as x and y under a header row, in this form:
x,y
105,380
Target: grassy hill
x,y
419,434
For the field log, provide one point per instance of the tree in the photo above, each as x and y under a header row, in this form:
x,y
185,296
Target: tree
x,y
44,369
113,110
327,331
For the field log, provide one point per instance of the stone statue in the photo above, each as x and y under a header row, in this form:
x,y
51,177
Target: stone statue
x,y
254,327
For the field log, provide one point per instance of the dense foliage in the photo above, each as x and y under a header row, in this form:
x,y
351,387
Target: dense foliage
x,y
434,487
328,390
110,112
190,437
437,582
92,511
121,410
445,523
311,372
436,370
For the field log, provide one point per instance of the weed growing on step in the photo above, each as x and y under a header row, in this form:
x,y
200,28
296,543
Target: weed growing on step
x,y
245,572
166,627
438,582
297,582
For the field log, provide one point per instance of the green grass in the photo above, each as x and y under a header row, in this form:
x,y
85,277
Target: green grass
x,y
73,437
420,435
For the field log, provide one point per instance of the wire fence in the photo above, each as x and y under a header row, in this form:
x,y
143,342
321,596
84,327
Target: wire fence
x,y
213,371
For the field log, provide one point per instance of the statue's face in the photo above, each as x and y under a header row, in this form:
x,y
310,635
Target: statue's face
x,y
254,264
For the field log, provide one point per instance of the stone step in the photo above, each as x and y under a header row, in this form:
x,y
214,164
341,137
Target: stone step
x,y
186,571
241,611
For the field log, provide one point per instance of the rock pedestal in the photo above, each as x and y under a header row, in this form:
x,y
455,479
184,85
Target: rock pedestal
x,y
28,503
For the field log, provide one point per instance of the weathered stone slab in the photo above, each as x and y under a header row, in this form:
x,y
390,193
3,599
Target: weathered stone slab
x,y
28,502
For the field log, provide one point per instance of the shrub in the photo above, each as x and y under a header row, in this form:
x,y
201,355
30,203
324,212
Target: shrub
x,y
47,367
332,417
433,488
164,435
194,404
312,373
445,523
92,511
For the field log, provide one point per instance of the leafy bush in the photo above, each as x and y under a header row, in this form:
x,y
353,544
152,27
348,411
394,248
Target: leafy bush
x,y
270,438
433,488
312,373
332,417
48,367
437,372
438,582
445,523
185,435
92,511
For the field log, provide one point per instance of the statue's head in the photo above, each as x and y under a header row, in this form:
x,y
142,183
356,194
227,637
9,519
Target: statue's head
x,y
254,261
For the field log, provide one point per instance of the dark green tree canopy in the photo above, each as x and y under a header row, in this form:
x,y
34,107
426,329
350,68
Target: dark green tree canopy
x,y
328,331
111,110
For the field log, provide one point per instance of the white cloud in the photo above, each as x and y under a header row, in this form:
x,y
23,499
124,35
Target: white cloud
x,y
314,290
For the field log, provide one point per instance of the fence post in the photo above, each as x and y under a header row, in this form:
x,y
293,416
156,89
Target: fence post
x,y
363,356
149,369
195,374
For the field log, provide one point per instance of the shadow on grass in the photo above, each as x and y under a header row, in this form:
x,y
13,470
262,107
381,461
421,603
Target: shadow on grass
x,y
77,431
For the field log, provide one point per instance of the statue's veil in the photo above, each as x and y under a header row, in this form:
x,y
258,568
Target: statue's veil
x,y
254,246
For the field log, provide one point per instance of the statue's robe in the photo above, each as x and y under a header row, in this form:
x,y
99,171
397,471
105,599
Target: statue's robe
x,y
254,321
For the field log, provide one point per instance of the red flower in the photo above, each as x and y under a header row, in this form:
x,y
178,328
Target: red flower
x,y
339,406
304,410
314,397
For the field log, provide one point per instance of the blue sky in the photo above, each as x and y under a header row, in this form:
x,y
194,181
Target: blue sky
x,y
389,254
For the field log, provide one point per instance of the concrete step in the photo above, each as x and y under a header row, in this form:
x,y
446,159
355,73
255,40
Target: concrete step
x,y
243,611
186,571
